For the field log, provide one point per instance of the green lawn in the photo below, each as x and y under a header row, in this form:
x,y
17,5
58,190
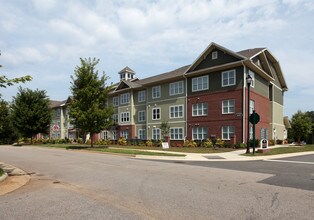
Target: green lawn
x,y
285,150
139,148
127,151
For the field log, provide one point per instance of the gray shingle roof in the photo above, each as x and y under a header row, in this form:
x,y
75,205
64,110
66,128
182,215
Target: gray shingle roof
x,y
250,52
126,69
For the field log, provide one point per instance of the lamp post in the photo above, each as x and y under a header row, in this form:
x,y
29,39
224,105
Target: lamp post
x,y
248,81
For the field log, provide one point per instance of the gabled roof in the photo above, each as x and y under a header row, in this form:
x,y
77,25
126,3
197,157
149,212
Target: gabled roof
x,y
250,53
208,50
55,104
126,69
164,76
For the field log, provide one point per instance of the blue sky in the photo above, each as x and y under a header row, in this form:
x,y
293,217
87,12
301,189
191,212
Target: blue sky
x,y
46,38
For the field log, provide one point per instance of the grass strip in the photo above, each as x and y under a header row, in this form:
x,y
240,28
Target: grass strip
x,y
284,150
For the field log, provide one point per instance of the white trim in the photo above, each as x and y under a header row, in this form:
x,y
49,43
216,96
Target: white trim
x,y
214,55
203,77
222,132
173,106
164,100
138,117
169,122
222,78
174,83
157,97
120,119
153,114
202,115
127,94
138,96
222,106
276,86
177,128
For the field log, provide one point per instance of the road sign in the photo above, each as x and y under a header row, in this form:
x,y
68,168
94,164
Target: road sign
x,y
254,118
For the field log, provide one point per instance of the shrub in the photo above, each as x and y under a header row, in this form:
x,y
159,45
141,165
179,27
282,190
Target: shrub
x,y
220,143
1,172
122,141
256,142
149,143
190,143
271,142
240,145
279,141
207,143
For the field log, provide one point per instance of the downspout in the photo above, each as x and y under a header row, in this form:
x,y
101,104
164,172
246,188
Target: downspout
x,y
243,104
186,107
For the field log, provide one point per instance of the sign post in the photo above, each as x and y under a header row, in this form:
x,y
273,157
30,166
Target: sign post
x,y
254,119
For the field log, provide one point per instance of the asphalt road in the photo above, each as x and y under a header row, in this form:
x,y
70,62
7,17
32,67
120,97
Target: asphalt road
x,y
80,185
296,172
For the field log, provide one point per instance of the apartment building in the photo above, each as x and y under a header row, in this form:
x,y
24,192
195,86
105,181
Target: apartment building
x,y
208,97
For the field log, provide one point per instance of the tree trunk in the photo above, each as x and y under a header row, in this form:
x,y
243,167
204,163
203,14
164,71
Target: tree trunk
x,y
299,140
91,140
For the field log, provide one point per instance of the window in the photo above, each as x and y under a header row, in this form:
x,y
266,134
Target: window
x,y
125,117
156,92
228,78
176,88
141,116
156,113
176,133
115,101
156,134
141,134
252,74
199,109
105,135
176,111
125,98
58,112
115,118
125,134
252,106
228,106
115,135
141,96
200,133
214,55
264,133
227,132
199,83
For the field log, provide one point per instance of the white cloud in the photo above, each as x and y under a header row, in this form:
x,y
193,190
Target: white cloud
x,y
44,5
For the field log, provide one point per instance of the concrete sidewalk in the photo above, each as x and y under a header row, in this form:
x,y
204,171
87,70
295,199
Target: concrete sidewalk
x,y
226,156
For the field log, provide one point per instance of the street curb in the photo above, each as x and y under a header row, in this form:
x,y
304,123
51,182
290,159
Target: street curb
x,y
3,177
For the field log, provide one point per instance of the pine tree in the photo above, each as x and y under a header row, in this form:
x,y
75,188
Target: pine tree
x,y
89,110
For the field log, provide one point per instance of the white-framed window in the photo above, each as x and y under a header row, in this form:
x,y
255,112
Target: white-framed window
x,y
125,117
176,88
125,98
105,135
228,78
141,116
141,134
156,113
115,118
142,96
200,133
156,91
176,133
156,134
252,106
228,106
214,55
199,109
176,111
125,134
227,132
199,83
252,74
115,135
115,101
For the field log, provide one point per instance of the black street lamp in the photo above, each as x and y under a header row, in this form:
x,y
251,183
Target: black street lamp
x,y
248,81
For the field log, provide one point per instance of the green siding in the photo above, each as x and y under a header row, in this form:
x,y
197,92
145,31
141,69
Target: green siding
x,y
278,96
261,86
222,58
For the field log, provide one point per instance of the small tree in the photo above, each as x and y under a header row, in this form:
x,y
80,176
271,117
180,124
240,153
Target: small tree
x,y
301,125
89,110
31,113
164,127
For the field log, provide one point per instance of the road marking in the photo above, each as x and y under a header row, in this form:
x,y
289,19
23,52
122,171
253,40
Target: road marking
x,y
290,161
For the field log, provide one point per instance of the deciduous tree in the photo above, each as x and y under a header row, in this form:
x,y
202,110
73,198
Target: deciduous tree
x,y
31,113
89,107
301,125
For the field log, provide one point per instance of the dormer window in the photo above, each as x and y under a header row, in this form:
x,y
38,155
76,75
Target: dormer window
x,y
214,55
